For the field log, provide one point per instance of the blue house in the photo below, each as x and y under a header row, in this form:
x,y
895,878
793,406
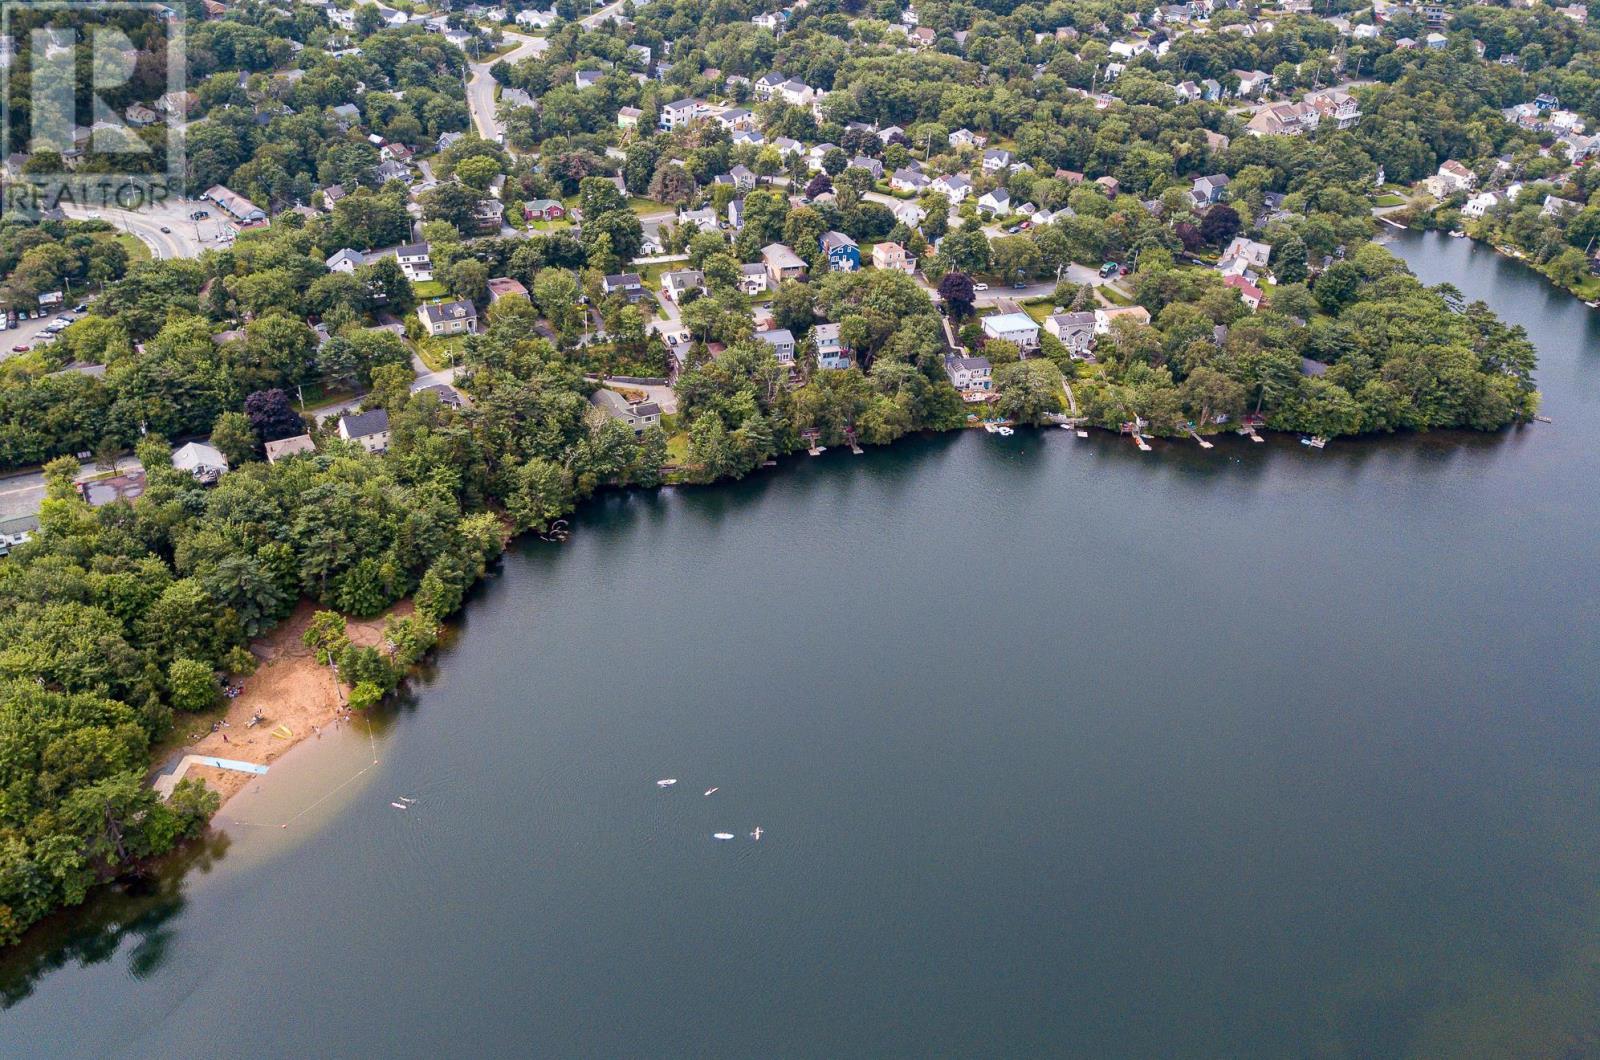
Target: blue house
x,y
843,254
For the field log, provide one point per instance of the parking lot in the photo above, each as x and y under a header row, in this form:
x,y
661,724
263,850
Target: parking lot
x,y
28,332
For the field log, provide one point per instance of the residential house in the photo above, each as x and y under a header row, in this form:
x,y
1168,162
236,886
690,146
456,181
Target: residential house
x,y
753,279
996,202
17,530
639,415
1209,189
628,117
842,252
1284,119
996,159
681,112
1249,293
831,352
284,448
627,284
1248,250
1110,185
767,85
414,262
1479,205
1075,331
1555,206
909,181
1337,106
1452,177
894,257
969,373
871,165
705,219
743,177
1252,82
582,79
543,210
908,213
177,105
203,462
1104,318
139,114
953,186
782,342
674,285
1435,42
459,317
967,138
346,261
331,196
1013,327
370,430
782,263
504,287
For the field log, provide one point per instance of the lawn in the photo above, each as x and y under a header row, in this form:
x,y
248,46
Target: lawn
x,y
429,289
440,352
1392,200
138,250
678,448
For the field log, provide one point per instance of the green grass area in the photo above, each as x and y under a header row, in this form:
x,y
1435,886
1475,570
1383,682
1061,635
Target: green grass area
x,y
1391,200
440,352
677,447
1114,295
642,206
1039,309
430,289
317,395
138,250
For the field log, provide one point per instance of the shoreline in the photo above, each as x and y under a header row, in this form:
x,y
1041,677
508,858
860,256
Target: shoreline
x,y
298,698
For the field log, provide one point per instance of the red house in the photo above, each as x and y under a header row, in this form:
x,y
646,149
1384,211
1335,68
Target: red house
x,y
544,210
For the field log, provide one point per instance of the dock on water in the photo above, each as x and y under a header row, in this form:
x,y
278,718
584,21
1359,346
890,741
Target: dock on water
x,y
1203,443
1250,433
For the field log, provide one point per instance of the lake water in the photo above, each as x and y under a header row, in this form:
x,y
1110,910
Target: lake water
x,y
1057,748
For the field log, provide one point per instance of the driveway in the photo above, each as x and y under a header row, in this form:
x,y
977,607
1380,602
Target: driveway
x,y
23,493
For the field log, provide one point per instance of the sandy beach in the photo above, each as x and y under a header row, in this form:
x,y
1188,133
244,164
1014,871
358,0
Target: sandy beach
x,y
290,689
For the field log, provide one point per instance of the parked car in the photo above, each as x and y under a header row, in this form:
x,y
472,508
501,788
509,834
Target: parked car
x,y
63,320
21,347
81,307
980,287
1107,269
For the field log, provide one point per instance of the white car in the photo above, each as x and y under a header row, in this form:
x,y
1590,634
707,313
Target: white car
x,y
980,287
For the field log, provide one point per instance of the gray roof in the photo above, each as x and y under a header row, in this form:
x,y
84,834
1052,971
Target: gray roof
x,y
460,309
364,424
776,336
976,364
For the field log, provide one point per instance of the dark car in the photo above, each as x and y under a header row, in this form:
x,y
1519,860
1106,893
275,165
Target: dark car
x,y
165,230
1107,269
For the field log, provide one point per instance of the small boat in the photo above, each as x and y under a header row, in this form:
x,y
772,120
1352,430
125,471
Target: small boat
x,y
992,428
408,800
712,791
1458,235
1004,432
1083,434
400,806
1316,441
1065,426
667,782
757,833
1592,305
721,835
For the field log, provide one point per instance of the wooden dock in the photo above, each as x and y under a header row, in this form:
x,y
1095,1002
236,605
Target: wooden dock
x,y
1250,433
1203,443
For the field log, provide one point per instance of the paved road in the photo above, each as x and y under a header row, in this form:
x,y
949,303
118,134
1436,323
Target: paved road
x,y
480,89
594,20
184,238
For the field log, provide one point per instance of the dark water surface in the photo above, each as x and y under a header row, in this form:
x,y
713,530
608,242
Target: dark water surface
x,y
1058,748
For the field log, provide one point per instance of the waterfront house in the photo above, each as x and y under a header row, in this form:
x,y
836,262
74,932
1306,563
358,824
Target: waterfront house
x,y
1018,328
831,352
1075,331
639,415
969,373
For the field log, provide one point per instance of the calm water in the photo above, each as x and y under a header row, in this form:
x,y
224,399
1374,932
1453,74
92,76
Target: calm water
x,y
1058,747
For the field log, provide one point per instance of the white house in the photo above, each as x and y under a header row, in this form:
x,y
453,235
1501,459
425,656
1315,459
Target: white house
x,y
370,430
414,262
1075,331
346,261
969,373
681,112
1013,327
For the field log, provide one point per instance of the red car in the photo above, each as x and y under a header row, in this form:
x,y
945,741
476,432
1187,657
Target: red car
x,y
19,349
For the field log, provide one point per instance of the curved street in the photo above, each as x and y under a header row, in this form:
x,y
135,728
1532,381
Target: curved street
x,y
480,89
